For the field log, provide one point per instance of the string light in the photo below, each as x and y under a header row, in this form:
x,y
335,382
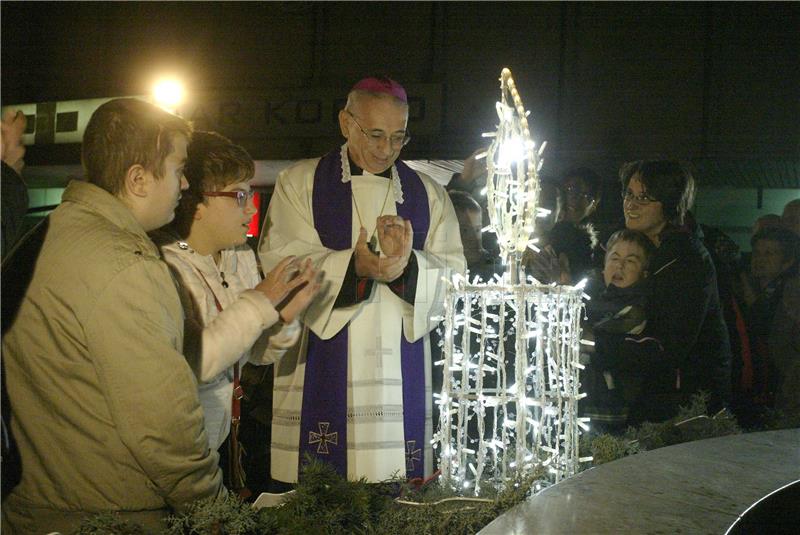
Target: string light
x,y
509,400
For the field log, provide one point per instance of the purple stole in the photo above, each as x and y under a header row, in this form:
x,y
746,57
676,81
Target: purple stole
x,y
323,423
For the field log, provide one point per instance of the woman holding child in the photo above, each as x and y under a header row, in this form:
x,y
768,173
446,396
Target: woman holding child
x,y
684,345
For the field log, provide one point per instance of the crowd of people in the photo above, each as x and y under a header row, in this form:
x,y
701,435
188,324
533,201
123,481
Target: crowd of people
x,y
674,308
137,309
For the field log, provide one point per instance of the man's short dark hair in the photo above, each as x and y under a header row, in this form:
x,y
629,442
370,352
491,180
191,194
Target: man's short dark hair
x,y
124,132
669,182
212,163
787,240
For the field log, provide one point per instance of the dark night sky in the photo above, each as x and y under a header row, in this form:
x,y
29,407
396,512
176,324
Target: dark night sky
x,y
717,84
605,81
65,50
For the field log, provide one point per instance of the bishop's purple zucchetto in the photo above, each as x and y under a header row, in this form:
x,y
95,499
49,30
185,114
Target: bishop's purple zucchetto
x,y
382,85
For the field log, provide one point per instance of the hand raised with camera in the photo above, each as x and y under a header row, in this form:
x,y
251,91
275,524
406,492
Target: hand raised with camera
x,y
473,169
279,282
546,266
310,282
373,266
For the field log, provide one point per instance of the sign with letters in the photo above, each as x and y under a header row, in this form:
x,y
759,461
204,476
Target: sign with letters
x,y
298,112
268,113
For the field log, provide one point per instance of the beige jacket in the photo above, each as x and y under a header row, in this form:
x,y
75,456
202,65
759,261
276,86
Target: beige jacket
x,y
105,407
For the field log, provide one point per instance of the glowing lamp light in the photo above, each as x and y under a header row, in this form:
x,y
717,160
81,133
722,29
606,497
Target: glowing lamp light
x,y
168,94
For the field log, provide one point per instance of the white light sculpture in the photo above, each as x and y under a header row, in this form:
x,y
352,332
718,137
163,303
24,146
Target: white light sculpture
x,y
509,401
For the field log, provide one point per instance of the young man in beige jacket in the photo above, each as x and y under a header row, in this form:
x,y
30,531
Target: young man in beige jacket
x,y
104,405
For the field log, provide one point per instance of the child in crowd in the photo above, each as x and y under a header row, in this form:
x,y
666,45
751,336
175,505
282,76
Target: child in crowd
x,y
618,311
233,316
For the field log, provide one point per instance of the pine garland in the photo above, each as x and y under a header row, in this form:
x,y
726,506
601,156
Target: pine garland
x,y
326,503
691,423
108,522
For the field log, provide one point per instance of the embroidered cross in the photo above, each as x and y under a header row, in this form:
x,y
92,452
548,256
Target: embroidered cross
x,y
412,455
323,438
379,352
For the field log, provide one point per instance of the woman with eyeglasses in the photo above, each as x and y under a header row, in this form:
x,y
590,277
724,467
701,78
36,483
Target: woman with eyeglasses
x,y
233,317
573,239
684,347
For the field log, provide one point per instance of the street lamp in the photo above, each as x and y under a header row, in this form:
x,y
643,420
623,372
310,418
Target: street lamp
x,y
168,93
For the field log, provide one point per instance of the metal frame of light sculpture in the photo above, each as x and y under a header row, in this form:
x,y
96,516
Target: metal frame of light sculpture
x,y
504,413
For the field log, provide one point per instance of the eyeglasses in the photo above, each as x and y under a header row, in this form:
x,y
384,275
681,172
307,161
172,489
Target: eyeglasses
x,y
374,137
642,199
241,196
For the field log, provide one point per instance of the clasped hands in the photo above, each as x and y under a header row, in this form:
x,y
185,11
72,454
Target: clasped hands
x,y
395,237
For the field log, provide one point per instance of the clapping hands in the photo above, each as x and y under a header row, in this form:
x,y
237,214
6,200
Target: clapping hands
x,y
280,281
395,237
310,282
290,279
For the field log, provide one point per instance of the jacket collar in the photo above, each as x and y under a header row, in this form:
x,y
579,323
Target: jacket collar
x,y
205,263
108,206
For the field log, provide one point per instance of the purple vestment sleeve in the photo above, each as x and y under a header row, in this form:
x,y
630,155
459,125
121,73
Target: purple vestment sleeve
x,y
354,288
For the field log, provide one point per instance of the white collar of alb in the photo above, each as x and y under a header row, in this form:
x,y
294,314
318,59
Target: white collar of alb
x,y
396,185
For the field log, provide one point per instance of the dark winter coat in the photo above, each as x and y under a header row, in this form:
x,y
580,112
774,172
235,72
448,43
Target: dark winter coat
x,y
15,204
684,347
